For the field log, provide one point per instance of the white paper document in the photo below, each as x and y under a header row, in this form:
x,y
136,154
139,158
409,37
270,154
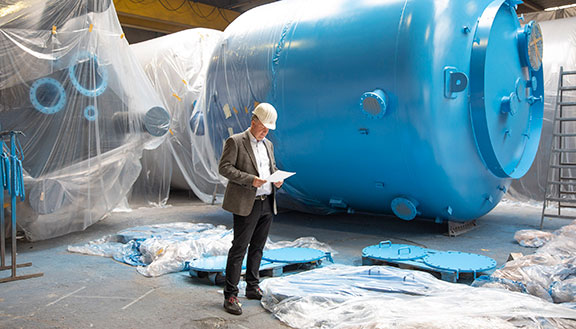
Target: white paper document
x,y
278,176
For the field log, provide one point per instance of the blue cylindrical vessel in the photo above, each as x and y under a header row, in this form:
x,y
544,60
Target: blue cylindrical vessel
x,y
414,107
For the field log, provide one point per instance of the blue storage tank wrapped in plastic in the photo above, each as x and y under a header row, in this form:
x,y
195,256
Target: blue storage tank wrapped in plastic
x,y
414,107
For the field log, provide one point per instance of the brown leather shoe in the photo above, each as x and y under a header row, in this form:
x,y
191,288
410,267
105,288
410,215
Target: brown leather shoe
x,y
232,305
254,293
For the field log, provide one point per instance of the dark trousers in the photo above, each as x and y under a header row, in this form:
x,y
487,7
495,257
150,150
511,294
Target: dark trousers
x,y
249,232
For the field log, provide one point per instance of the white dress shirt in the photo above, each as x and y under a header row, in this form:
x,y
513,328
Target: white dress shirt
x,y
263,161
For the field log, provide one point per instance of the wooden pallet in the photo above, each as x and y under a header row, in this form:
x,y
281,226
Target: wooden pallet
x,y
267,269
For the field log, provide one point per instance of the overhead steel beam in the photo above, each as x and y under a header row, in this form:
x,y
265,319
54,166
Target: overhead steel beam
x,y
534,6
248,3
172,15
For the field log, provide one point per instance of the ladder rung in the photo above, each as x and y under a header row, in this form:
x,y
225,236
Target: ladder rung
x,y
566,119
560,216
568,72
567,206
564,150
568,178
561,200
567,192
565,135
570,166
567,103
561,183
568,88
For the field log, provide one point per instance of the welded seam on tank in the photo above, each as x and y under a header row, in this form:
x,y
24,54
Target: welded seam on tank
x,y
399,29
398,42
277,52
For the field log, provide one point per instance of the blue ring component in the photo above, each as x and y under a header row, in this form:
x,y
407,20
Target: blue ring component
x,y
56,92
506,127
98,69
404,208
91,113
459,262
389,251
374,103
294,255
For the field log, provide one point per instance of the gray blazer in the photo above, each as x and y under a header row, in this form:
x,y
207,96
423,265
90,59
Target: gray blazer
x,y
238,165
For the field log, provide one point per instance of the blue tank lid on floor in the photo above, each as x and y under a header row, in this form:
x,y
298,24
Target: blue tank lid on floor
x,y
294,255
211,264
459,261
387,250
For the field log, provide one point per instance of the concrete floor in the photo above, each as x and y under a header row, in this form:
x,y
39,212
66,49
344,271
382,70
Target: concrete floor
x,y
79,291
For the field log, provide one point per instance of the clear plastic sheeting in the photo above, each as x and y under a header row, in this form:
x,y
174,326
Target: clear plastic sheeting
x,y
532,238
550,15
559,38
177,64
164,248
387,297
70,82
550,273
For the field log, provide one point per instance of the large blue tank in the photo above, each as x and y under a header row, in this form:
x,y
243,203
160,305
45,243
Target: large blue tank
x,y
422,108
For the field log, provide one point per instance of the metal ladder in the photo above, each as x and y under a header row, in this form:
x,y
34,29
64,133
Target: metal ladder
x,y
561,177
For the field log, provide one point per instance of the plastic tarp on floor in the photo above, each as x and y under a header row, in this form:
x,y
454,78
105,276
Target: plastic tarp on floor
x,y
164,248
69,81
177,64
387,297
550,273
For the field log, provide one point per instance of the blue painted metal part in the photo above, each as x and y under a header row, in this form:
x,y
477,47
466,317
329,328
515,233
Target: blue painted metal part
x,y
444,66
197,123
389,251
295,255
47,95
507,144
4,185
374,103
211,264
459,262
404,208
216,264
157,121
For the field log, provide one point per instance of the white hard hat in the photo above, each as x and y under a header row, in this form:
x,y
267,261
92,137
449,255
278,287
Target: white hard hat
x,y
266,113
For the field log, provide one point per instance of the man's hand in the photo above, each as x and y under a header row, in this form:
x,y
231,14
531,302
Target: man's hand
x,y
279,184
258,182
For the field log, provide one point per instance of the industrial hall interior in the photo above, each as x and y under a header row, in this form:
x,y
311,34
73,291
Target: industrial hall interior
x,y
249,164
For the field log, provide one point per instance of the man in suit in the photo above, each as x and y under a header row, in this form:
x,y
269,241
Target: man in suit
x,y
247,159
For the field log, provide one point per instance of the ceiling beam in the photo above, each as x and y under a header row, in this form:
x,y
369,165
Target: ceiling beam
x,y
534,6
154,15
248,3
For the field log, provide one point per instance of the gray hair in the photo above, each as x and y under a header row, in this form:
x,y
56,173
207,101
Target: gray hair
x,y
254,117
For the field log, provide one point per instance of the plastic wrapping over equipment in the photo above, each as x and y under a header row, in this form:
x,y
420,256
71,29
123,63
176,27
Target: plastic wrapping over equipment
x,y
560,44
71,84
550,273
177,64
165,248
532,238
418,107
387,297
